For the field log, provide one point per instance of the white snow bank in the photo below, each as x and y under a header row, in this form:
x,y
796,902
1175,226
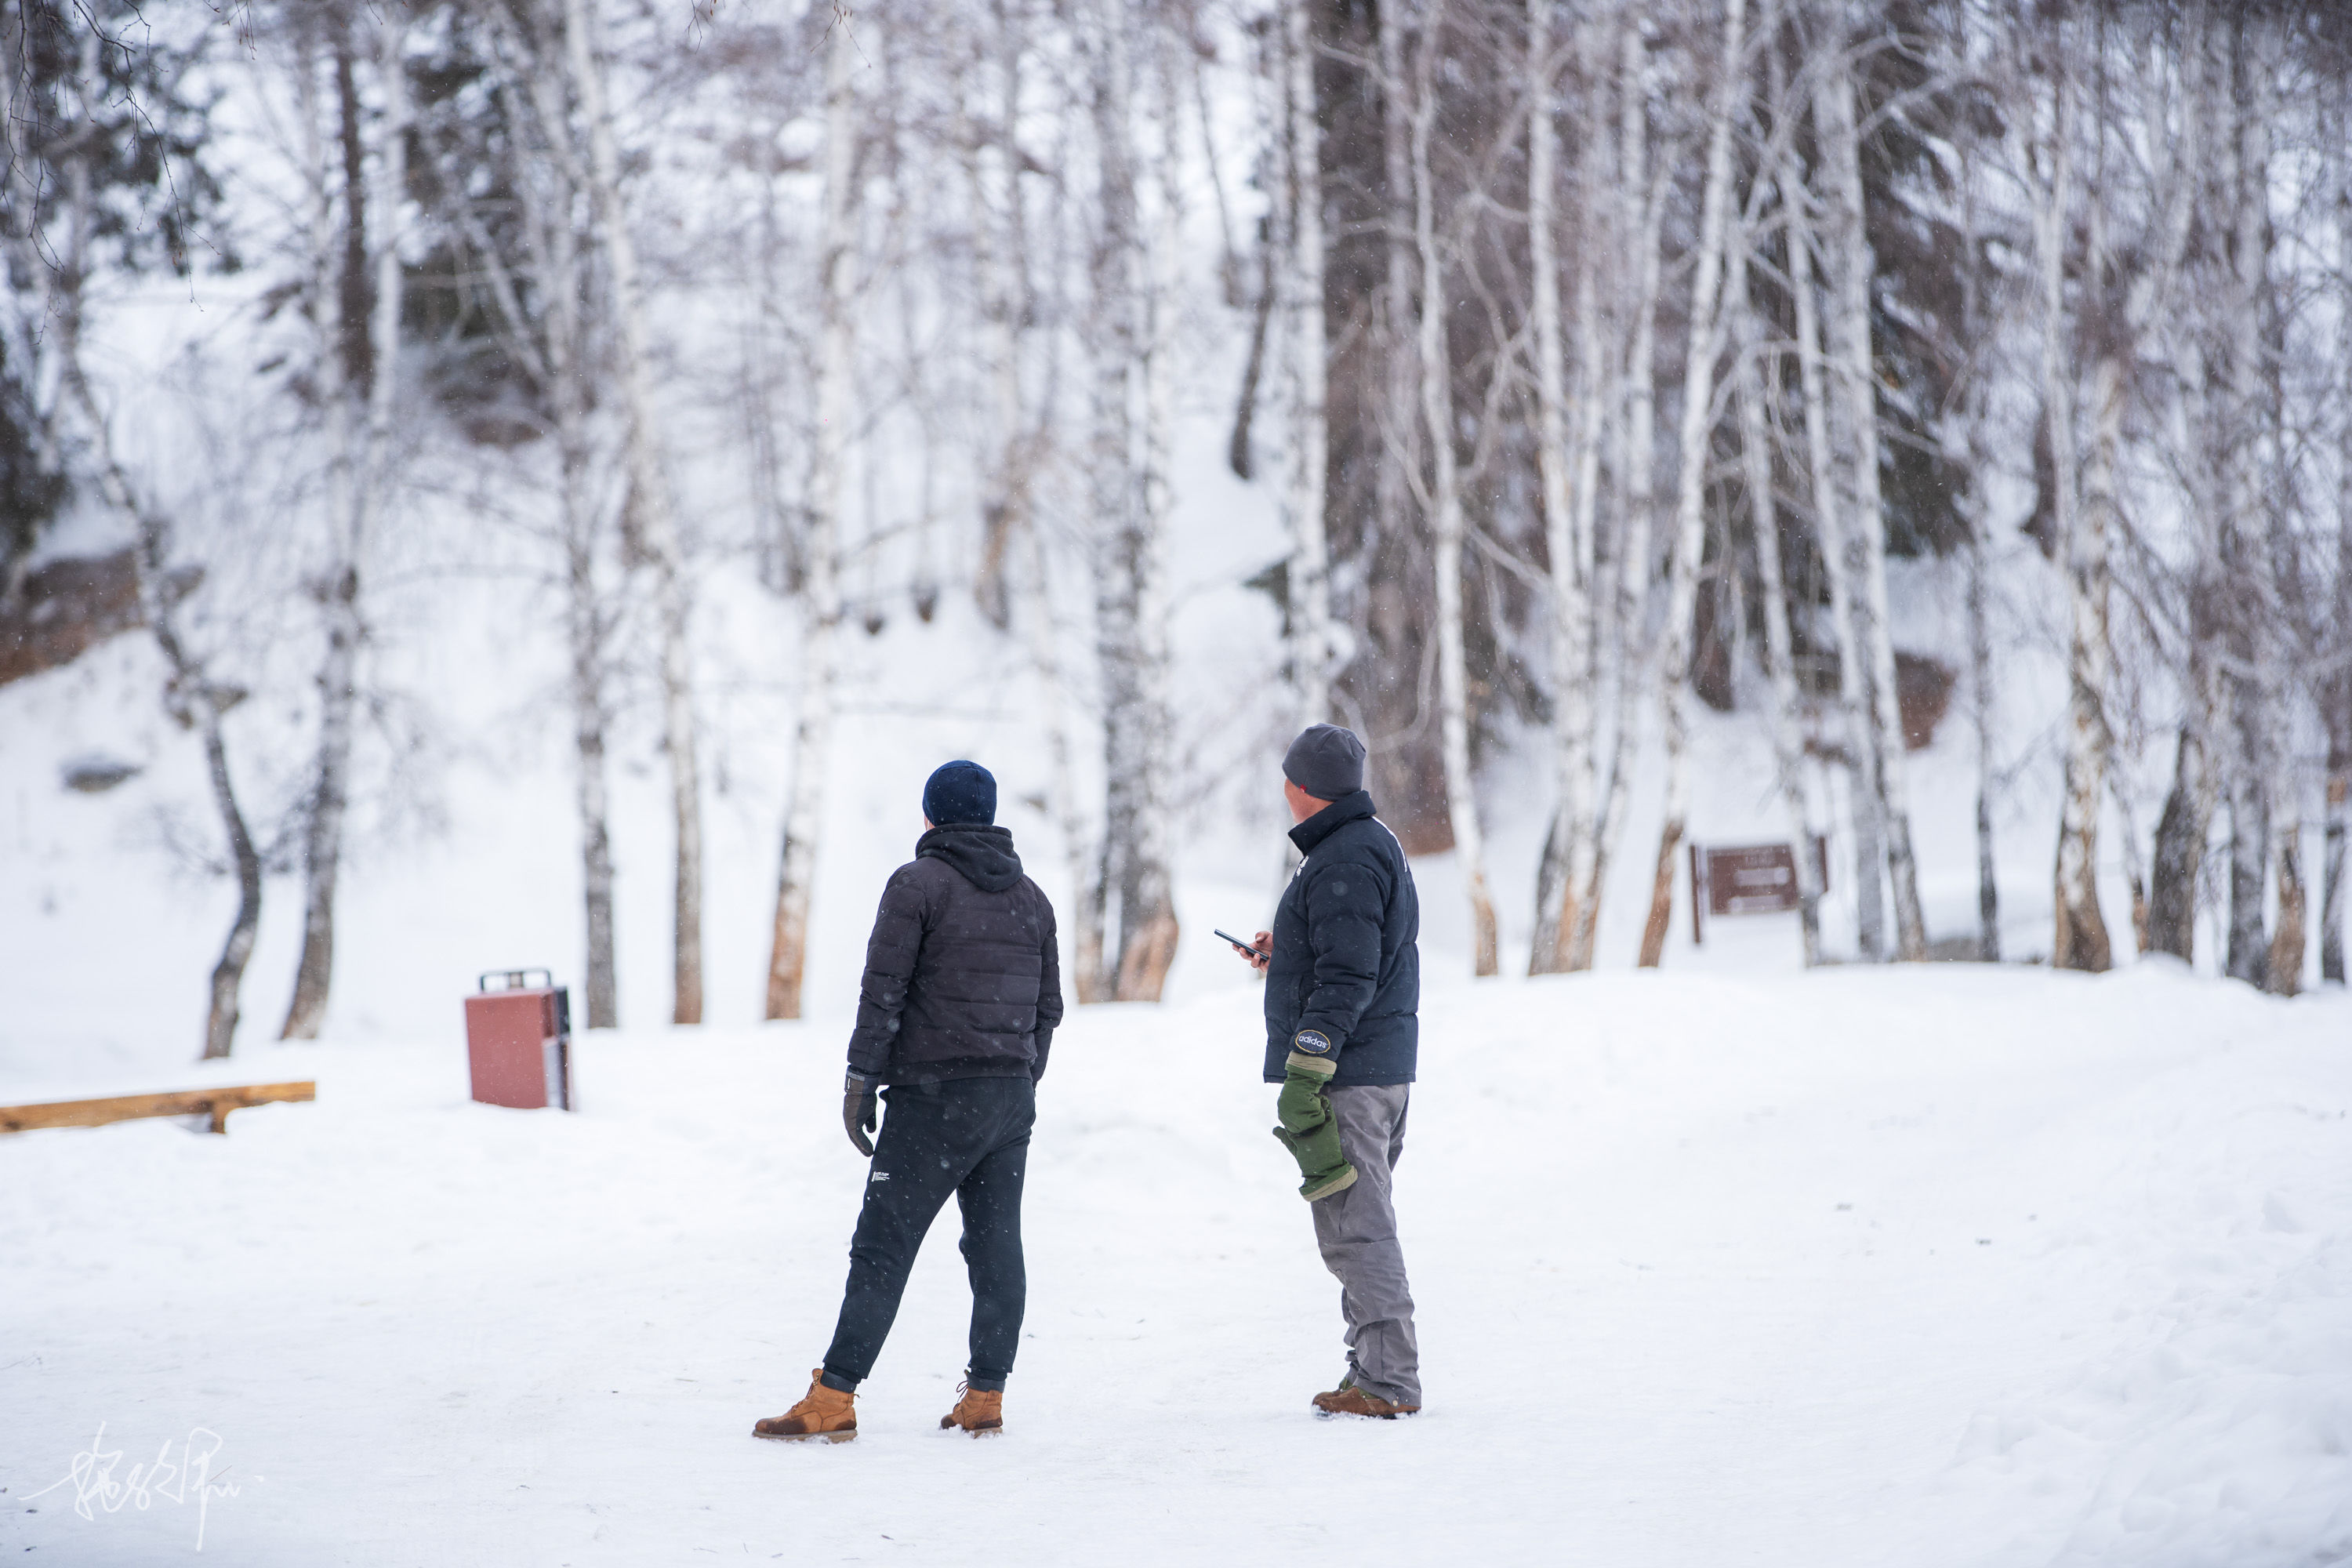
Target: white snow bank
x,y
1924,1267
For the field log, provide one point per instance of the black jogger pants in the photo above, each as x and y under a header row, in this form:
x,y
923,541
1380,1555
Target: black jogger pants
x,y
969,1136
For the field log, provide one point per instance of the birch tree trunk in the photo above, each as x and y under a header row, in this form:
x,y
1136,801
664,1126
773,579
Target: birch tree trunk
x,y
1834,117
2248,958
2284,976
1756,448
1694,447
2185,826
2331,897
558,353
192,697
2336,694
1567,536
649,496
2248,174
2126,297
1444,506
1981,710
1078,848
587,622
1977,325
2081,938
1829,524
1127,573
368,477
1000,263
1579,871
821,607
1642,208
1400,412
1310,580
1147,944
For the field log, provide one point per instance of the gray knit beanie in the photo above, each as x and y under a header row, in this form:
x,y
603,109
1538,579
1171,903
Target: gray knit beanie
x,y
1325,761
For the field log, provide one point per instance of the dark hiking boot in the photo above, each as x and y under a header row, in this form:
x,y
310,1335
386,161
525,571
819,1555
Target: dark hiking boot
x,y
1349,1400
979,1410
825,1416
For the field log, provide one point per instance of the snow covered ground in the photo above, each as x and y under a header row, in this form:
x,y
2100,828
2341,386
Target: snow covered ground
x,y
1936,1265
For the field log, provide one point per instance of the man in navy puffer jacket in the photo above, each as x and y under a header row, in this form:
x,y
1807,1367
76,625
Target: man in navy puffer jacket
x,y
1343,1030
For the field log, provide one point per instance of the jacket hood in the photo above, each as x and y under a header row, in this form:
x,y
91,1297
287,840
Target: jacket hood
x,y
982,856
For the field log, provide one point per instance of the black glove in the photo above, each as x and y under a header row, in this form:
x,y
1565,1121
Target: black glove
x,y
857,1112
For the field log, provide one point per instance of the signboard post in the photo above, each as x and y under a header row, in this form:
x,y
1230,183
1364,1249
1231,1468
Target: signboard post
x,y
1747,879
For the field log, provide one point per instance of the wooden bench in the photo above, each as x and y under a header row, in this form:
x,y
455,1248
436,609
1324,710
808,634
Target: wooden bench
x,y
214,1102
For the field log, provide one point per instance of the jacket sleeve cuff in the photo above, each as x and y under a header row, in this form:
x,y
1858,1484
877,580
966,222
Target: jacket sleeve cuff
x,y
1320,1067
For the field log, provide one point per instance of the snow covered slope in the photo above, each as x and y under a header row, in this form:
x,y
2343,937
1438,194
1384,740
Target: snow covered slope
x,y
1949,1265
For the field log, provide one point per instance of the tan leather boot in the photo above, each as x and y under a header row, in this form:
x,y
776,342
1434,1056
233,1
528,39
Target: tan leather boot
x,y
825,1416
979,1410
1349,1400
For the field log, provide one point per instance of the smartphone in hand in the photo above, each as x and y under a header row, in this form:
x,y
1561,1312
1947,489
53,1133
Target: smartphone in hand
x,y
1254,953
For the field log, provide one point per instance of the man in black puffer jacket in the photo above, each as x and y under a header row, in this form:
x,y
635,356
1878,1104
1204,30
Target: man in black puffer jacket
x,y
962,994
1342,1037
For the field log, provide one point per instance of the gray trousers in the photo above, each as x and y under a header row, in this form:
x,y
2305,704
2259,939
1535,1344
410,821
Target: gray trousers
x,y
1357,1232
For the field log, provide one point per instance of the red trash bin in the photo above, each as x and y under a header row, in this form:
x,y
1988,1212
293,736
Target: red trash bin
x,y
518,1041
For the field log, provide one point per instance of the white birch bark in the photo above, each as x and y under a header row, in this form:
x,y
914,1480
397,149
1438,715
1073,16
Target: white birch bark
x,y
1399,417
1982,699
2185,824
1757,445
1147,900
2081,941
1310,574
1078,848
1688,543
1975,321
367,475
588,623
1127,568
1834,119
1000,265
656,509
820,606
1445,511
192,697
548,182
2248,173
2336,692
1640,217
1566,516
1829,525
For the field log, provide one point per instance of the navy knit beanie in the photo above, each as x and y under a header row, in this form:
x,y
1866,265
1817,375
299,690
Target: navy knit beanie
x,y
961,792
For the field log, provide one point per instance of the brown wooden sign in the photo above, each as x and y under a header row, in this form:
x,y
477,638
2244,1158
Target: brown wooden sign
x,y
1747,879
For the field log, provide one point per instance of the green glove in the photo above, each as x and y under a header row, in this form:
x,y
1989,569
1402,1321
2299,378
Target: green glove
x,y
1308,1130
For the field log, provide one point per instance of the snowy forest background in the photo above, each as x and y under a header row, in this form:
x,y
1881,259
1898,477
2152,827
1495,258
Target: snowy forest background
x,y
568,467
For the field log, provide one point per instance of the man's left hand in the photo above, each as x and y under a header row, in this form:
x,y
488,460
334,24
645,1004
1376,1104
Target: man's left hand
x,y
857,1112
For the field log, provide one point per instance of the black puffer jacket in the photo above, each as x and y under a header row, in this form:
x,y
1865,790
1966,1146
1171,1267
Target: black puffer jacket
x,y
1347,963
963,978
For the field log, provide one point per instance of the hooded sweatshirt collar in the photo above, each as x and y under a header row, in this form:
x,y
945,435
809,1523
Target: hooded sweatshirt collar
x,y
1331,820
983,855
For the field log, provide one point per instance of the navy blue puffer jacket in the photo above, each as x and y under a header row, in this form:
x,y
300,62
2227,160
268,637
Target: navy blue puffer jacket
x,y
1346,966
